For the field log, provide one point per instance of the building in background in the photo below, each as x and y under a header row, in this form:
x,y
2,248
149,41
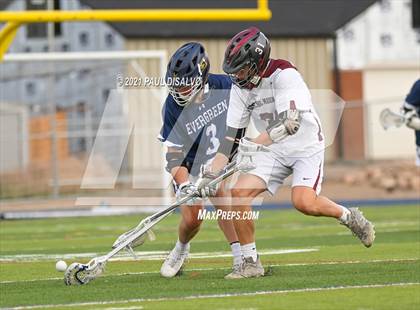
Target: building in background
x,y
379,60
364,50
14,146
80,88
300,31
32,161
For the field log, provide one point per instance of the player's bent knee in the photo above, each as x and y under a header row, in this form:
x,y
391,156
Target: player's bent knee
x,y
190,216
306,206
242,192
223,190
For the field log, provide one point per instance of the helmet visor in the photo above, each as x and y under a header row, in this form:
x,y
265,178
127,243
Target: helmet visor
x,y
243,77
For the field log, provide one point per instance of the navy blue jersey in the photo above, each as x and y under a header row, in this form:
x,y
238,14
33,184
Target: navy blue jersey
x,y
198,128
413,98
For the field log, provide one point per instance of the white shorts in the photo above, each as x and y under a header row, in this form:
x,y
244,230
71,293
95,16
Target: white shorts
x,y
307,171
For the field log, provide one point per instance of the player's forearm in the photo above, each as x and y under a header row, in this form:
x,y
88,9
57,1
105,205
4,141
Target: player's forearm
x,y
180,174
175,158
219,162
263,138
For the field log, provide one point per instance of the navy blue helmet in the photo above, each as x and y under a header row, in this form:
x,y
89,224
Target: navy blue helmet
x,y
187,72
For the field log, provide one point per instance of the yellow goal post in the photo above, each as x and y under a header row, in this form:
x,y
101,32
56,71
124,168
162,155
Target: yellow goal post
x,y
14,20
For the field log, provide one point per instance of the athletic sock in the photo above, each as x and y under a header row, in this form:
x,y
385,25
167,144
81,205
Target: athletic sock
x,y
182,247
344,218
236,252
249,250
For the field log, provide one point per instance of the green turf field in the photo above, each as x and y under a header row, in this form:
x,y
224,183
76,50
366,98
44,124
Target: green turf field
x,y
327,268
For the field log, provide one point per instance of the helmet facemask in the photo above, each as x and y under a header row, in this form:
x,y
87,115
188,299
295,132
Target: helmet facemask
x,y
186,92
247,77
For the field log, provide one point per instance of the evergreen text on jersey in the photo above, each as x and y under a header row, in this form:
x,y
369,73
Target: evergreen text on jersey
x,y
206,117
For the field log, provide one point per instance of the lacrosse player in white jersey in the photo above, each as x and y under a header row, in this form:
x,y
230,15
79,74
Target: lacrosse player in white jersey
x,y
273,93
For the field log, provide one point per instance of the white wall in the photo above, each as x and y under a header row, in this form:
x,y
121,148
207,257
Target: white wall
x,y
386,86
14,144
383,33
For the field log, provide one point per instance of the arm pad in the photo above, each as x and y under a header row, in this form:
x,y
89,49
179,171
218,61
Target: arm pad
x,y
273,124
229,145
287,123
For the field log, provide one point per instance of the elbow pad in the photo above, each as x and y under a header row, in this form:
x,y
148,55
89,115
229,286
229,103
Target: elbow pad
x,y
175,159
287,124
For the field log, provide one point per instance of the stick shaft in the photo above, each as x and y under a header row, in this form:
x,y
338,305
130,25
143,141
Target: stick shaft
x,y
157,217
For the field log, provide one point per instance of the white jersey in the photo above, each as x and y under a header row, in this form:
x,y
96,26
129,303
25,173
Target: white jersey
x,y
281,88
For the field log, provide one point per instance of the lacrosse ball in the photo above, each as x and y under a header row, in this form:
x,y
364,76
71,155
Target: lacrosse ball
x,y
61,266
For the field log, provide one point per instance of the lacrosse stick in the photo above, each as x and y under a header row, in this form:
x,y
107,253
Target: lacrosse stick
x,y
390,119
141,238
78,274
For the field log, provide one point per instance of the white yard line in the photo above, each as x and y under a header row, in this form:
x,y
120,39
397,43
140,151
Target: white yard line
x,y
227,268
144,255
387,230
124,308
315,289
378,224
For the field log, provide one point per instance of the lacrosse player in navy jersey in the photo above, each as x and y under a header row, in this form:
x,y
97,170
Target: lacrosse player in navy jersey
x,y
194,122
411,111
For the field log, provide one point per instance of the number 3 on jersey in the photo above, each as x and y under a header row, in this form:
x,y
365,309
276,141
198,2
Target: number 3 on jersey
x,y
214,141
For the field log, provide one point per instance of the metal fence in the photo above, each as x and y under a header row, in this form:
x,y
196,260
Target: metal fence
x,y
47,151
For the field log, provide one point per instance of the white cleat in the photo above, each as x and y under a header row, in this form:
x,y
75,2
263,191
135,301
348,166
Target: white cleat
x,y
174,262
361,227
248,269
236,271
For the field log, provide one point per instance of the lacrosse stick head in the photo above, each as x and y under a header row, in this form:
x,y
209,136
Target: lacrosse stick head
x,y
139,240
135,243
389,119
79,274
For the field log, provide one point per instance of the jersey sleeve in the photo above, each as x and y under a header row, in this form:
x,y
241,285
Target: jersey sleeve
x,y
291,91
220,81
238,115
413,98
170,134
226,82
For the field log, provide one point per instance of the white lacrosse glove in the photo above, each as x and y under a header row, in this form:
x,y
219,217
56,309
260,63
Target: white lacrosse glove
x,y
249,148
286,126
185,189
292,121
206,176
277,132
246,150
412,119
